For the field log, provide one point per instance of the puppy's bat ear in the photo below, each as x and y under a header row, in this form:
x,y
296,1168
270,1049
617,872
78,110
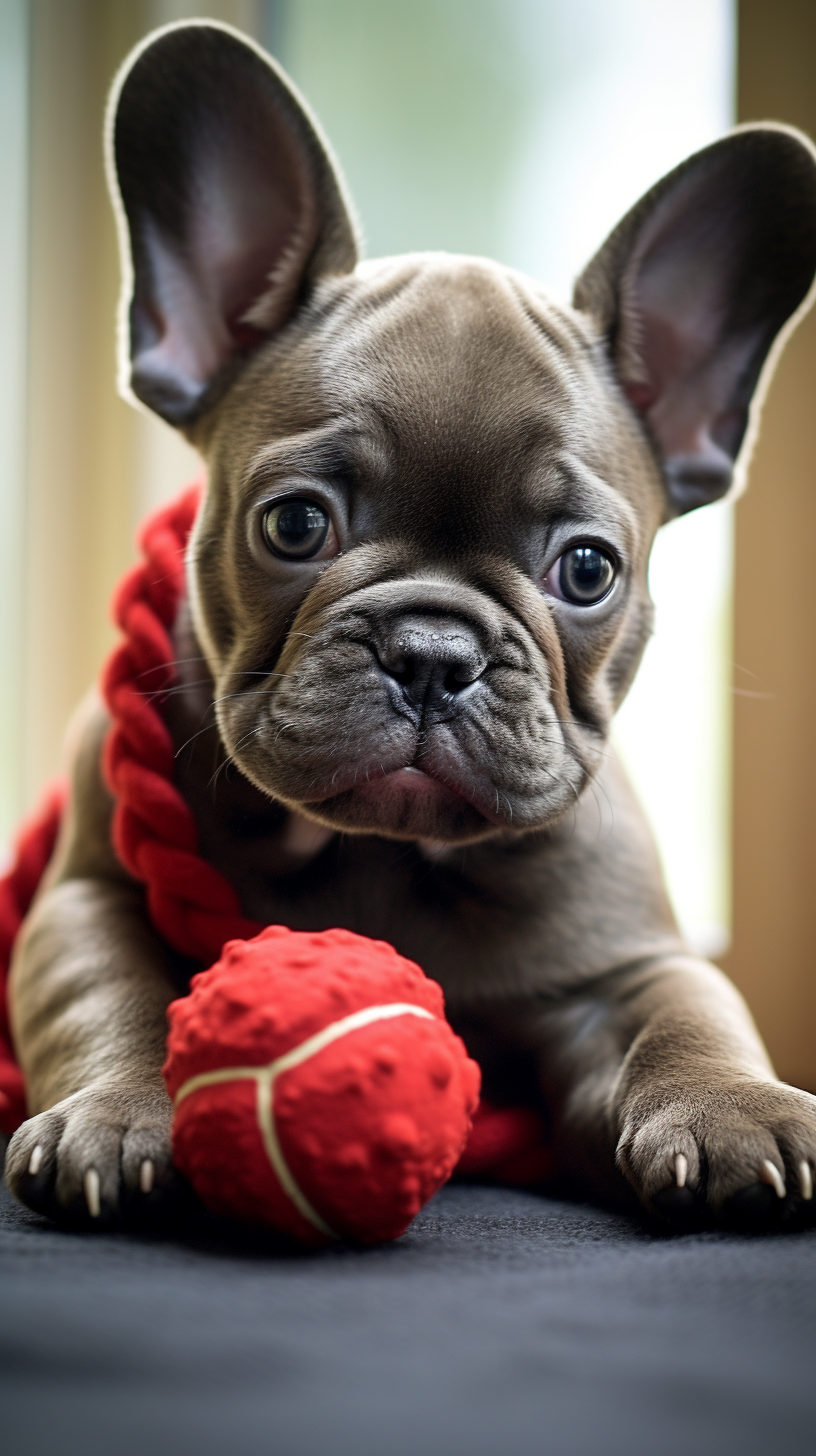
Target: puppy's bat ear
x,y
230,209
692,290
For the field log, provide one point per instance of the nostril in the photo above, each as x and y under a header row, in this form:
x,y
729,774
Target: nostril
x,y
403,671
401,668
461,675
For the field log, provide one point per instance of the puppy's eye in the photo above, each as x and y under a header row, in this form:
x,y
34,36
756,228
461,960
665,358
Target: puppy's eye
x,y
296,528
583,575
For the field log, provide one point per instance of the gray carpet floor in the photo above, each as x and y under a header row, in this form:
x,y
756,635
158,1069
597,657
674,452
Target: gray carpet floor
x,y
502,1323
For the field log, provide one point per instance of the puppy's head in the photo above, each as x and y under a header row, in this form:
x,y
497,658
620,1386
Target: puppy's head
x,y
420,572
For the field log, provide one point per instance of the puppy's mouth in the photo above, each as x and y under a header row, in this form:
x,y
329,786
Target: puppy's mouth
x,y
404,803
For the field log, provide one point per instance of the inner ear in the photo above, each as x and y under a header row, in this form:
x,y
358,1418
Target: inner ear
x,y
232,207
693,288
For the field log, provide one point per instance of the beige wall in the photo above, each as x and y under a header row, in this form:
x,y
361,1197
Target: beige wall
x,y
774,946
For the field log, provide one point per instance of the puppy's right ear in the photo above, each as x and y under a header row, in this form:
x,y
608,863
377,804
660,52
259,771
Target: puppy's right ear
x,y
230,209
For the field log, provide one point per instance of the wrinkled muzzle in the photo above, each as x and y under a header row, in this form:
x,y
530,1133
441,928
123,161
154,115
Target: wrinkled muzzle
x,y
412,708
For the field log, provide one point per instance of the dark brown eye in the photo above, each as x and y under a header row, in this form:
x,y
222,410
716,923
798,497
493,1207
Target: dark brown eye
x,y
296,528
583,575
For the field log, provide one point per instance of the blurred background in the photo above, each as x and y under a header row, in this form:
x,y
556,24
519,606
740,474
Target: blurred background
x,y
519,129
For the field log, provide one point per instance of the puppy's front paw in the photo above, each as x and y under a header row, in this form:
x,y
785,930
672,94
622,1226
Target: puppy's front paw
x,y
744,1152
104,1151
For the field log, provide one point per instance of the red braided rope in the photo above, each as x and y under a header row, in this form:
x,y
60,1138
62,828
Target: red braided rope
x,y
190,902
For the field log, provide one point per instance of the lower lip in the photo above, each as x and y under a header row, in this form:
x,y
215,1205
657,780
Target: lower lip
x,y
410,776
413,781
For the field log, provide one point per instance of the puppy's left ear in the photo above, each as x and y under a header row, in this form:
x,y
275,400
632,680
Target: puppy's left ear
x,y
692,290
230,209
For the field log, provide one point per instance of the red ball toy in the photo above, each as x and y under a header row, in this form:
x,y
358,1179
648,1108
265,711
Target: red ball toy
x,y
318,1088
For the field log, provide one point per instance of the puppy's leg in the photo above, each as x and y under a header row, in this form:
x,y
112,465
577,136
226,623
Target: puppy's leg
x,y
91,986
662,1066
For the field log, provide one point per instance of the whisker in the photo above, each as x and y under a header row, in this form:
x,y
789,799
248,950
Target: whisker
x,y
208,727
253,733
176,662
204,681
214,778
178,688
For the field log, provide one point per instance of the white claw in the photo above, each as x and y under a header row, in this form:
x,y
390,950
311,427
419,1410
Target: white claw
x,y
90,1184
770,1174
680,1169
146,1175
35,1161
806,1180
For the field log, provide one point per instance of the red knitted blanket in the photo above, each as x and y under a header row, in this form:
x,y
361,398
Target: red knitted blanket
x,y
190,902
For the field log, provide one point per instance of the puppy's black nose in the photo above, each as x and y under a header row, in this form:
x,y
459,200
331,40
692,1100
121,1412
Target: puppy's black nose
x,y
429,661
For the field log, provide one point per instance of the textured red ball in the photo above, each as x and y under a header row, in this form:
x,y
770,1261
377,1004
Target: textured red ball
x,y
318,1088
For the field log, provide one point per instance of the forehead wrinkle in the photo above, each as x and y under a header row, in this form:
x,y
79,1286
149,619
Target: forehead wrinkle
x,y
573,491
324,450
455,413
563,327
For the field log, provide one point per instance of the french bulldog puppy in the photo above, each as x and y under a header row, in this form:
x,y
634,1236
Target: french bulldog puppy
x,y
417,593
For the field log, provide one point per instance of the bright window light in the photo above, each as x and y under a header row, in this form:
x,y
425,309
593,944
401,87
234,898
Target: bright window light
x,y
13,286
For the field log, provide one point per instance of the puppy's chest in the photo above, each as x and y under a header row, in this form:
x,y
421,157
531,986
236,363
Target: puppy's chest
x,y
485,955
458,932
